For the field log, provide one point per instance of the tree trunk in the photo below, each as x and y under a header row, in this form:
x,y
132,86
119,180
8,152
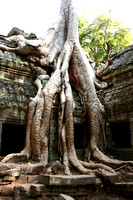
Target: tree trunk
x,y
71,68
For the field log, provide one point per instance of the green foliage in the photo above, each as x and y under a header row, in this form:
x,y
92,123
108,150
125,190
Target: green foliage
x,y
103,37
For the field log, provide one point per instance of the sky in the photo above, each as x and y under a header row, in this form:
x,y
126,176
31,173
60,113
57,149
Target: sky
x,y
37,15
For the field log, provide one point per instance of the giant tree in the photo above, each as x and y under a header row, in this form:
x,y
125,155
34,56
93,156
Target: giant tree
x,y
70,68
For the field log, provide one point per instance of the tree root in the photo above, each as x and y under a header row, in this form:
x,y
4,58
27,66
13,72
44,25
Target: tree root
x,y
92,165
15,158
98,156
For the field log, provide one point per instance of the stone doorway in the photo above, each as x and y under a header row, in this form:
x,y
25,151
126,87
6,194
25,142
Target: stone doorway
x,y
12,138
120,134
80,136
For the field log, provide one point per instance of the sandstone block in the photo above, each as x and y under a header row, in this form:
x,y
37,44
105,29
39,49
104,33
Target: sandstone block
x,y
32,178
21,190
37,190
6,190
73,180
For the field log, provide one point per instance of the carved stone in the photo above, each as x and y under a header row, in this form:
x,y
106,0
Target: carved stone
x,y
118,101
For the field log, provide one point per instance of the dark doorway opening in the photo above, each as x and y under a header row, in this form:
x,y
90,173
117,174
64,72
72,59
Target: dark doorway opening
x,y
120,133
80,136
13,138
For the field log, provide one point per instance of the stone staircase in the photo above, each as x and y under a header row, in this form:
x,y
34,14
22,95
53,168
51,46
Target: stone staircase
x,y
122,184
16,186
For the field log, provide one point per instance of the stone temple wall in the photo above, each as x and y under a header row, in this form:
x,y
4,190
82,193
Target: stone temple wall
x,y
16,86
118,102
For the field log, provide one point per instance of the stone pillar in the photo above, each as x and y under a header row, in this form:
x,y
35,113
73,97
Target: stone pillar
x,y
131,131
0,134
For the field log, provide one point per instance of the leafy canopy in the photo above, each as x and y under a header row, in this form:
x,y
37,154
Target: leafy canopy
x,y
103,37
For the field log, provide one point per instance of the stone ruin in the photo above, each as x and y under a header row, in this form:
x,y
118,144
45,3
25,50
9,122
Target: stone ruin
x,y
118,102
17,75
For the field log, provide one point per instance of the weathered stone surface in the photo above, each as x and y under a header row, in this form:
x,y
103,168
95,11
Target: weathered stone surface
x,y
65,197
9,178
116,184
57,168
32,178
38,168
73,180
79,109
17,31
53,190
38,190
17,75
6,190
126,177
22,191
118,97
118,101
112,178
124,188
13,172
16,86
21,180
